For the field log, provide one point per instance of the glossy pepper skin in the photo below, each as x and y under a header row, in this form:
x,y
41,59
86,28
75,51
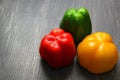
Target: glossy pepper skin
x,y
77,22
58,48
97,53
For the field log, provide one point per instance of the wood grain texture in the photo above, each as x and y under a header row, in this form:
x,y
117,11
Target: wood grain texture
x,y
24,22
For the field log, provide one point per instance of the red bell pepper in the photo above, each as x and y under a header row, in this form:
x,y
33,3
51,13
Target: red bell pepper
x,y
57,48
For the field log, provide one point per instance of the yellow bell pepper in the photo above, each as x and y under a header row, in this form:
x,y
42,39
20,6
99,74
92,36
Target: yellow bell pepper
x,y
97,53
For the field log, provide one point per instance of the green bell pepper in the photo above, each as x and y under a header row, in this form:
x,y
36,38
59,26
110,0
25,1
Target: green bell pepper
x,y
77,22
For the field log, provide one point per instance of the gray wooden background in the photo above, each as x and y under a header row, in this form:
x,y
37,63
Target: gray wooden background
x,y
24,22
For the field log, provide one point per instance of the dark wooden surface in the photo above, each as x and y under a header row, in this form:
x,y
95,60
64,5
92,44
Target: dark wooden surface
x,y
24,22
